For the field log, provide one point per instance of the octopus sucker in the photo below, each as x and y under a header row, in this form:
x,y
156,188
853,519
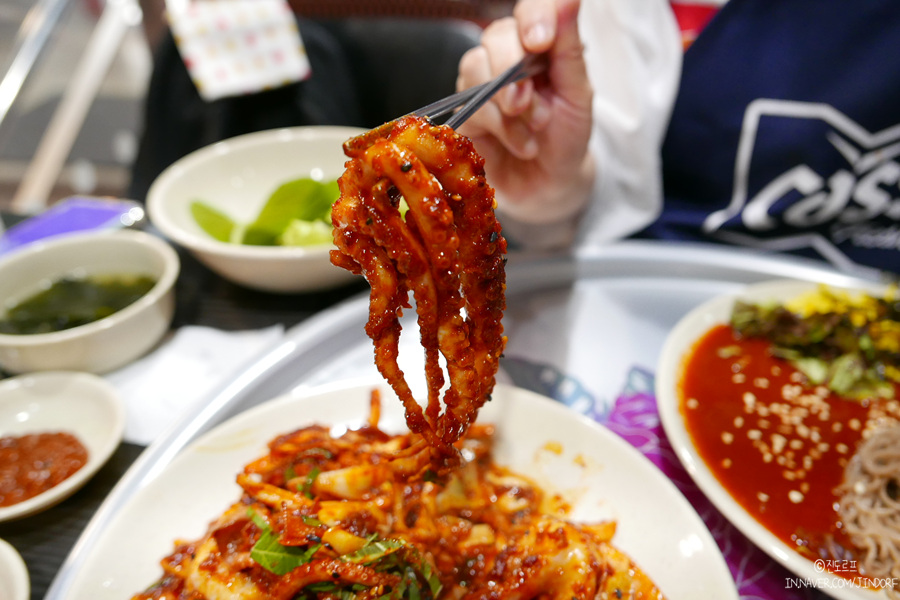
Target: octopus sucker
x,y
447,250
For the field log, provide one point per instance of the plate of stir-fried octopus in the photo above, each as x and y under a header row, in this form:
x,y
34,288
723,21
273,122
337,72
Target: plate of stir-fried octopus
x,y
474,491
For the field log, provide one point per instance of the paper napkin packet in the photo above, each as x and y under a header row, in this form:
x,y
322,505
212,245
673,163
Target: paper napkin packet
x,y
238,47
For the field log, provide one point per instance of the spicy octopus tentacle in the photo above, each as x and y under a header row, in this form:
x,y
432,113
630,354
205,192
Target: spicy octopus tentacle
x,y
460,171
432,281
361,254
447,249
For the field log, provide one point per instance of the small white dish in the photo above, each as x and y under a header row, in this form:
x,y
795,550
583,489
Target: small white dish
x,y
108,343
14,582
236,176
677,346
82,404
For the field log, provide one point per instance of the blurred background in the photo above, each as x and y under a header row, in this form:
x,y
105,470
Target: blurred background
x,y
42,51
74,75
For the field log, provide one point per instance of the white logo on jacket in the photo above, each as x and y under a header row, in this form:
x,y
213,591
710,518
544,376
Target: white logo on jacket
x,y
845,201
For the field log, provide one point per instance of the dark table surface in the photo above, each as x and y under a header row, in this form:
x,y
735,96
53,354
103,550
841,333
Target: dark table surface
x,y
202,298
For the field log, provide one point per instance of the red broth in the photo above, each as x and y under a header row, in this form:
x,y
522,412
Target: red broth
x,y
777,444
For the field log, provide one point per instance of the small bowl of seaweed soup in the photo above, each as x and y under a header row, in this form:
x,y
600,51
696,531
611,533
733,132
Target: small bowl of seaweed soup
x,y
88,302
72,301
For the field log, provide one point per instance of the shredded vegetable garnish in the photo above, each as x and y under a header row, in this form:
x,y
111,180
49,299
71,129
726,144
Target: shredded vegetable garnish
x,y
849,342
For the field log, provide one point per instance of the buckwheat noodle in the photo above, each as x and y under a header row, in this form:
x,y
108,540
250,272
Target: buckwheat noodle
x,y
870,504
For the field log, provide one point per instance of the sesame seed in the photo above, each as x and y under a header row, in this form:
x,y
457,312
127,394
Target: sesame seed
x,y
842,448
727,437
855,425
761,382
754,434
738,378
795,496
727,463
778,443
692,403
739,421
762,497
790,392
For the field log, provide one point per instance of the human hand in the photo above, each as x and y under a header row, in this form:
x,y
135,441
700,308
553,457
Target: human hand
x,y
534,134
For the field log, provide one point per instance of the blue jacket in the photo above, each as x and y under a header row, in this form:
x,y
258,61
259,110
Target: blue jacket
x,y
786,132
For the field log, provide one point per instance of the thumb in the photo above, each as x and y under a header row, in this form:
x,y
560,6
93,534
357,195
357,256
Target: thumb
x,y
552,26
541,22
568,71
536,21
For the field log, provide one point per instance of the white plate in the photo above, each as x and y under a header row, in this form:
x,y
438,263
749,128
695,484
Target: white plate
x,y
600,474
14,582
679,342
79,403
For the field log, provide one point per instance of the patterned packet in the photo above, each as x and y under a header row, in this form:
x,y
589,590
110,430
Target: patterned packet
x,y
237,47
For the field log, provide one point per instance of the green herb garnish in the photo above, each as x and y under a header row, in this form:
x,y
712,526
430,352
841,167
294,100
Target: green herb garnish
x,y
418,579
273,556
305,487
374,550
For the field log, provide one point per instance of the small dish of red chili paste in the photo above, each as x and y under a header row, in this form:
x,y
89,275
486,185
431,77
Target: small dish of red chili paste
x,y
57,429
32,464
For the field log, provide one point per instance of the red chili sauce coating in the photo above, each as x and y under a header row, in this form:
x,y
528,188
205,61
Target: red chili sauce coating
x,y
777,444
32,464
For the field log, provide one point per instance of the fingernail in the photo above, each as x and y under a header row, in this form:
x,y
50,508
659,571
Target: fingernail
x,y
537,34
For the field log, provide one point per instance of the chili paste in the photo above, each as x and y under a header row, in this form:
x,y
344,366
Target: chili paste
x,y
34,463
